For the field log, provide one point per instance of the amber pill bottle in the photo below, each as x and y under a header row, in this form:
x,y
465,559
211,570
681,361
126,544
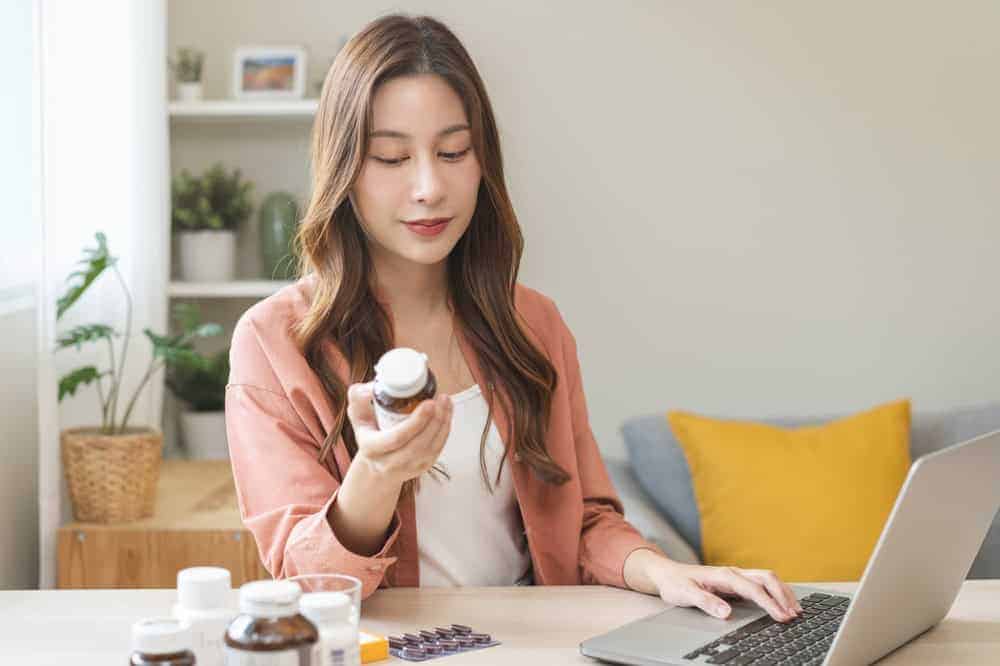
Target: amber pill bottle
x,y
269,631
402,382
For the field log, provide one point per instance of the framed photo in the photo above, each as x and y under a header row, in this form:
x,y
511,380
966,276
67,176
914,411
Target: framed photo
x,y
269,72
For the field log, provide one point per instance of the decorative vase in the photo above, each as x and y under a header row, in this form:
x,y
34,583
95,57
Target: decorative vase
x,y
207,256
189,91
204,435
112,478
278,220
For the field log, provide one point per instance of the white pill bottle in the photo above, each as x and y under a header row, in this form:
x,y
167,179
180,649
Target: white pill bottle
x,y
331,612
203,600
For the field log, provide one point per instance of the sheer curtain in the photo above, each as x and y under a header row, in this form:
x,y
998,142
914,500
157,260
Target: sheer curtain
x,y
102,128
19,271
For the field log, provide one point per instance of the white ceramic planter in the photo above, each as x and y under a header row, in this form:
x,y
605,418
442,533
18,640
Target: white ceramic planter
x,y
189,92
207,256
204,435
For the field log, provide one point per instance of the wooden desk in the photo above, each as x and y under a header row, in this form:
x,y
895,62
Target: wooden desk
x,y
197,523
537,625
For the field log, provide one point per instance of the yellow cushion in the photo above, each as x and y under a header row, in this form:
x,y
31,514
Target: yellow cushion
x,y
808,503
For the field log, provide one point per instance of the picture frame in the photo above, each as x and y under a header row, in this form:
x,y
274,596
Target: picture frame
x,y
269,72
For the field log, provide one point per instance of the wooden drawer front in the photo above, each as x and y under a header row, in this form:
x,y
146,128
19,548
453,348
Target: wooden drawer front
x,y
102,558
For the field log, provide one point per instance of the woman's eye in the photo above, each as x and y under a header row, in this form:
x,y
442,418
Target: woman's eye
x,y
452,157
456,156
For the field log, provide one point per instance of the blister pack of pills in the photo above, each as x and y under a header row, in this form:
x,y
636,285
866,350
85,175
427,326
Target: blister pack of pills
x,y
439,642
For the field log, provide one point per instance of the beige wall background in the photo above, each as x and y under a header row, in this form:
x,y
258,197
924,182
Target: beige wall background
x,y
740,209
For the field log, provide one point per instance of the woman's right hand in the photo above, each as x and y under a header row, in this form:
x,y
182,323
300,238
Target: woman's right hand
x,y
409,448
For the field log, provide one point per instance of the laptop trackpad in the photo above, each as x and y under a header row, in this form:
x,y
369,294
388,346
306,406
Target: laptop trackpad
x,y
666,637
698,620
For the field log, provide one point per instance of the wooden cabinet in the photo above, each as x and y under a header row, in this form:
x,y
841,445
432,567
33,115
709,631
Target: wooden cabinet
x,y
197,523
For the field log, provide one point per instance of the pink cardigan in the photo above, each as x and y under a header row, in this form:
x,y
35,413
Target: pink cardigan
x,y
276,417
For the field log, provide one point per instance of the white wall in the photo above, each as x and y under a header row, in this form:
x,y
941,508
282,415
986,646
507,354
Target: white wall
x,y
791,208
19,470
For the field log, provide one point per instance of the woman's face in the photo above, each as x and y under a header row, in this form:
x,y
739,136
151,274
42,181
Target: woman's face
x,y
420,166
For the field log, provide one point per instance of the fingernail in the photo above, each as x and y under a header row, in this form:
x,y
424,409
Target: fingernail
x,y
721,610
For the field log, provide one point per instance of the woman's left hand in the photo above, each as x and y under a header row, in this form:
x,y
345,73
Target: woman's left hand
x,y
681,584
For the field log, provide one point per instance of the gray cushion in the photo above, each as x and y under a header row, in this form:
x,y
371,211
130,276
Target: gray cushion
x,y
659,464
643,515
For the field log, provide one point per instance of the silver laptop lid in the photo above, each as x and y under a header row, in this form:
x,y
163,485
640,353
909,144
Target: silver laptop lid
x,y
936,527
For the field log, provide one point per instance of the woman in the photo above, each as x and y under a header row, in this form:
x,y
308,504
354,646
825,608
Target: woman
x,y
410,240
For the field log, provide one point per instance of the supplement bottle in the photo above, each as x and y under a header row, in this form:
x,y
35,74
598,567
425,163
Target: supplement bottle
x,y
269,631
402,382
161,641
203,601
331,612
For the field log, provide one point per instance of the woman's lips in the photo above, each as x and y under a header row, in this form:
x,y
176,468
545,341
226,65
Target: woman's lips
x,y
428,227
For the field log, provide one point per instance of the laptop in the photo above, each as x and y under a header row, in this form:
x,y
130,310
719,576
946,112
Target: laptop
x,y
937,525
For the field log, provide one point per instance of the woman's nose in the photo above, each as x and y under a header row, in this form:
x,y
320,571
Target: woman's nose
x,y
428,186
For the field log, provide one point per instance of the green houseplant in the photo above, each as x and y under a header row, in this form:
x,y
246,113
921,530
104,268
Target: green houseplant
x,y
187,67
199,381
206,213
112,469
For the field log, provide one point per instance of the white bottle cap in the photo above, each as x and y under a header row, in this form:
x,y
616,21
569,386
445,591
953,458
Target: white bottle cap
x,y
270,598
324,607
161,635
402,371
203,588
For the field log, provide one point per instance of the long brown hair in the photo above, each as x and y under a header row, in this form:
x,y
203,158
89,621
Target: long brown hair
x,y
482,268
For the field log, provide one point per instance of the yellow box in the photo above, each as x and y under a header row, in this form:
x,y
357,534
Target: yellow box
x,y
373,648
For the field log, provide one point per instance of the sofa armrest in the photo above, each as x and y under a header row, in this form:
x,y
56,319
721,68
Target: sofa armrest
x,y
644,516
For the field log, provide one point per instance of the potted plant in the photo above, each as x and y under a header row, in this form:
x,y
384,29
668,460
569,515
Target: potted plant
x,y
112,469
187,70
199,382
206,212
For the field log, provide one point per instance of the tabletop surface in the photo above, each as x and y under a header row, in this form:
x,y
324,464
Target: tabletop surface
x,y
534,624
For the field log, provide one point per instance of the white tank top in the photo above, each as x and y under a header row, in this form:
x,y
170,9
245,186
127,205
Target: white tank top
x,y
468,537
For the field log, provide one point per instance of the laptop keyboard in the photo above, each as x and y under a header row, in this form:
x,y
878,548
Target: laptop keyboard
x,y
802,641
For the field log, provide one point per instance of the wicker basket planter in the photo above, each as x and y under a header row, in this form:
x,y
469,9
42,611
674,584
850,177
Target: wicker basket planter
x,y
112,478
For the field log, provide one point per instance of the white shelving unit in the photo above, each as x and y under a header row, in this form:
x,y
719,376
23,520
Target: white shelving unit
x,y
251,135
237,289
227,110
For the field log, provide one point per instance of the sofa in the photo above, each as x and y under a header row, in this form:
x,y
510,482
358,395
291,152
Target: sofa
x,y
654,482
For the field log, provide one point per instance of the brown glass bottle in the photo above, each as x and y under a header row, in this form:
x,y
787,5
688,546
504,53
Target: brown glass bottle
x,y
402,381
269,622
161,641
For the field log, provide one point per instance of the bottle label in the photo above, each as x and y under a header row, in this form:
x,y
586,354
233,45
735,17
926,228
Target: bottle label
x,y
207,638
343,656
301,656
385,418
